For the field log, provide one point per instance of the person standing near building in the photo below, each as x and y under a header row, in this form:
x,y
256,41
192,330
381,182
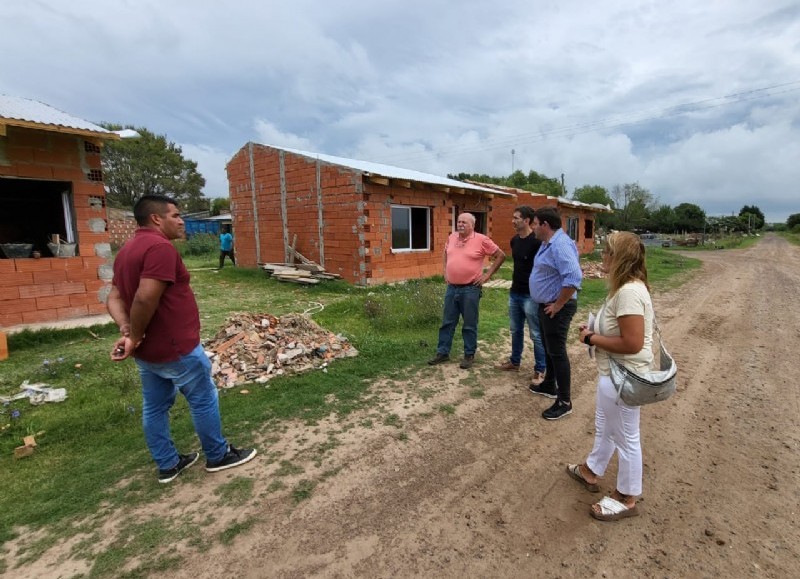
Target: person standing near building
x,y
554,283
154,306
464,255
521,307
226,246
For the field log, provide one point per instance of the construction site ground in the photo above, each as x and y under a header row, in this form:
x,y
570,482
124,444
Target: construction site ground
x,y
464,485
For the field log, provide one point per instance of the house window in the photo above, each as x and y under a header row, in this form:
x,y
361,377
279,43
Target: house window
x,y
410,228
481,219
588,229
31,211
572,228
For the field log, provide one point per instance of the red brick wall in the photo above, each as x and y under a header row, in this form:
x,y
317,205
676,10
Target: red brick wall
x,y
356,234
48,289
503,209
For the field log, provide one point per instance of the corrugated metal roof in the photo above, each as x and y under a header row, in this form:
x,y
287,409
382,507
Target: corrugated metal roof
x,y
560,200
28,111
391,172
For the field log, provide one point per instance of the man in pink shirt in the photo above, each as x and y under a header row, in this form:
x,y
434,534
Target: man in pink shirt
x,y
464,256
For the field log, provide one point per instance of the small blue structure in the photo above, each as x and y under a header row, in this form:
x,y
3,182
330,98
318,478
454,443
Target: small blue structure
x,y
212,225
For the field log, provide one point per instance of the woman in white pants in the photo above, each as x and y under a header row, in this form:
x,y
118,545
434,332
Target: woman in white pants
x,y
624,329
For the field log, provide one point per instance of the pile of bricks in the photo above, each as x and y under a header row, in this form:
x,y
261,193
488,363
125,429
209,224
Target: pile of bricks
x,y
258,347
592,270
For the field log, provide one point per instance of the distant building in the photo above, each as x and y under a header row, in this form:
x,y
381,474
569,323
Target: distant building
x,y
368,222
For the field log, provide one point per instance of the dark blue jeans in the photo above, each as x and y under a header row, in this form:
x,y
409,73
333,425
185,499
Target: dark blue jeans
x,y
554,334
460,301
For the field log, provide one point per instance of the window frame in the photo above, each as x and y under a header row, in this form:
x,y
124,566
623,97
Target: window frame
x,y
410,208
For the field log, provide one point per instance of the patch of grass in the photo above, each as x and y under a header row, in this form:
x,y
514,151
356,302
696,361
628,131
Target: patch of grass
x,y
477,393
446,409
288,468
32,551
275,486
393,420
227,536
791,237
236,492
303,490
143,541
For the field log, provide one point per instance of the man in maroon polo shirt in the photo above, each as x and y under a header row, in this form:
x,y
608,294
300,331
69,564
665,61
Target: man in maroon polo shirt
x,y
154,306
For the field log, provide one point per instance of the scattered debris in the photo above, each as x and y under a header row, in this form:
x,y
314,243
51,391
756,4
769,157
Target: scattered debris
x,y
257,347
28,444
37,394
593,270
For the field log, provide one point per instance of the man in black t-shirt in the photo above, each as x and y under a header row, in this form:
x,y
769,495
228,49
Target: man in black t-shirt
x,y
521,308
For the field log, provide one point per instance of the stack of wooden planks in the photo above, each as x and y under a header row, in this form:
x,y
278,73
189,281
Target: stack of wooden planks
x,y
302,273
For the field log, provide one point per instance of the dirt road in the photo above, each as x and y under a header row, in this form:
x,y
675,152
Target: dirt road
x,y
475,486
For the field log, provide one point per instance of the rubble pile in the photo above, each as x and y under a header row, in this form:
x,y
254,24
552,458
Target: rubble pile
x,y
258,347
593,270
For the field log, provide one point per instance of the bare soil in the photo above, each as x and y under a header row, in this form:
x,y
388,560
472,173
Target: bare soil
x,y
458,484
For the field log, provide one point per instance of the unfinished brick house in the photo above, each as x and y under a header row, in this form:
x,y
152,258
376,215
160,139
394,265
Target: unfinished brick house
x,y
577,219
51,183
368,222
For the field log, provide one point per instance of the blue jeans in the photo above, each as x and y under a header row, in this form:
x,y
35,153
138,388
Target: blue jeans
x,y
460,301
191,374
522,308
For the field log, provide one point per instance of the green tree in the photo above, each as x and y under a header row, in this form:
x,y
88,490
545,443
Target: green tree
x,y
634,205
150,165
533,181
220,204
663,219
689,217
753,216
793,219
593,194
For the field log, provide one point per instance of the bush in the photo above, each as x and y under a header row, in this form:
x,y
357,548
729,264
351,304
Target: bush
x,y
198,244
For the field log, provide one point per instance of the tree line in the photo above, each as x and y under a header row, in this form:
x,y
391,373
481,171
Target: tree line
x,y
635,208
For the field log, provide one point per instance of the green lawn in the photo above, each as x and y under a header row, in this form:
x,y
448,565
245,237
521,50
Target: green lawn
x,y
91,451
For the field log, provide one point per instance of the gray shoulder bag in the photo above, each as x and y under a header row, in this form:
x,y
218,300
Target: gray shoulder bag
x,y
652,386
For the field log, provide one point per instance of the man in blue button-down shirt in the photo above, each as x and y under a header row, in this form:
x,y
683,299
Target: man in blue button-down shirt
x,y
554,284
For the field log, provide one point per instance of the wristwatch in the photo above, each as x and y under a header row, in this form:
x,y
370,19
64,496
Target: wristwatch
x,y
587,338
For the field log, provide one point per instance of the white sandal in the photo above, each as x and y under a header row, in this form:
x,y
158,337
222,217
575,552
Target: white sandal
x,y
613,510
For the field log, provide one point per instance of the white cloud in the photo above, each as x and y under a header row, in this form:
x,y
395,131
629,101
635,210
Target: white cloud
x,y
576,87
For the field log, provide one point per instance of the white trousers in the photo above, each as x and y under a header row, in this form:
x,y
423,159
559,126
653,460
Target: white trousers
x,y
616,428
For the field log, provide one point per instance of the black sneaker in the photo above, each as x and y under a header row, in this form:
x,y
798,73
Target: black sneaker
x,y
184,462
234,457
439,359
558,410
466,362
541,390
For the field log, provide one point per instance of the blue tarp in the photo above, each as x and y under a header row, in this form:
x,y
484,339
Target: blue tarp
x,y
195,226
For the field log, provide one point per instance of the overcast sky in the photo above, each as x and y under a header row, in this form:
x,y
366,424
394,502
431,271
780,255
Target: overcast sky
x,y
696,101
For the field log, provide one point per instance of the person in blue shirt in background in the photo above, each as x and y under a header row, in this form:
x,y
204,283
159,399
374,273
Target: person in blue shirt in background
x,y
226,246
